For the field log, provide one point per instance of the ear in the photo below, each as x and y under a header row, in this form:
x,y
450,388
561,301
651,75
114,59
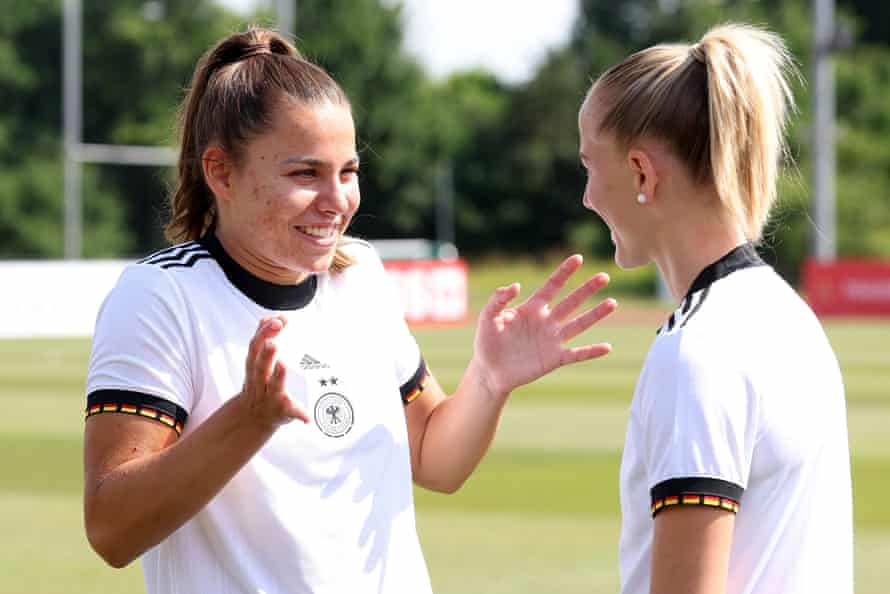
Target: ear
x,y
643,168
217,167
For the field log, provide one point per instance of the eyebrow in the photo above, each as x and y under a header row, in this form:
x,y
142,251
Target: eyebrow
x,y
313,162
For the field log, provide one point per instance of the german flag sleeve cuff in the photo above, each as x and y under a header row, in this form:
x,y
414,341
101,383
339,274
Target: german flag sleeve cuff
x,y
136,403
709,492
413,387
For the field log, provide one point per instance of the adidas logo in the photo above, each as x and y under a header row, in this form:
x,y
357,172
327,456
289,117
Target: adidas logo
x,y
308,362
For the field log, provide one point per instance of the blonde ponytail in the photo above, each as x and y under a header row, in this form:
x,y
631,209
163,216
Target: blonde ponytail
x,y
749,98
721,105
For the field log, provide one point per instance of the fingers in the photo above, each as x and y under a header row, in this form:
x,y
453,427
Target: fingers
x,y
565,307
557,280
587,319
499,300
278,386
585,353
277,381
263,365
268,328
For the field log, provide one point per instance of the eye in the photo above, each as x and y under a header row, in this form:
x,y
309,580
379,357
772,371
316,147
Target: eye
x,y
349,173
302,173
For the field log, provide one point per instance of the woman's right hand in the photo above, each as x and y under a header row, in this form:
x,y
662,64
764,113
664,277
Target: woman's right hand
x,y
265,386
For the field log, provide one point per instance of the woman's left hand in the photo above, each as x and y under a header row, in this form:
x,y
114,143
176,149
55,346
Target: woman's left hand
x,y
517,345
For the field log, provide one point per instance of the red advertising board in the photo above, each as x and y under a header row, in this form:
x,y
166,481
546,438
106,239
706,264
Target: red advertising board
x,y
848,287
433,292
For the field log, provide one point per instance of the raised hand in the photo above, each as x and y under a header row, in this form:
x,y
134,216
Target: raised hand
x,y
265,391
515,346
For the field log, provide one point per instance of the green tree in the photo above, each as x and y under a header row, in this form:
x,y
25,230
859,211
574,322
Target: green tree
x,y
30,147
134,68
543,124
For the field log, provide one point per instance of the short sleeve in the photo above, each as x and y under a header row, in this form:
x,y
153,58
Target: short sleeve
x,y
139,362
410,369
699,416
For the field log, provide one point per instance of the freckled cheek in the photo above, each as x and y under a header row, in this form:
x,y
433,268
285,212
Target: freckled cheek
x,y
264,206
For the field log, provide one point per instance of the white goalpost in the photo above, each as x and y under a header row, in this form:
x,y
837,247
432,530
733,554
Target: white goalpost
x,y
76,152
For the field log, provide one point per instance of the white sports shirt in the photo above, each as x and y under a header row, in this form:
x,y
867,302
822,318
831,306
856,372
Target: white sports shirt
x,y
740,406
322,508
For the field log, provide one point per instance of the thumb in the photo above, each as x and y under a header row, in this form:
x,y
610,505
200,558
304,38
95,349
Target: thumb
x,y
295,411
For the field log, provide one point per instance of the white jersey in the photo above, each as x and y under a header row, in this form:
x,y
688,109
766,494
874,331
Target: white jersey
x,y
322,508
740,406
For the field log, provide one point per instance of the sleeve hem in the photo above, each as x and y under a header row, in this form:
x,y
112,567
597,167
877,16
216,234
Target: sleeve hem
x,y
137,403
709,492
411,389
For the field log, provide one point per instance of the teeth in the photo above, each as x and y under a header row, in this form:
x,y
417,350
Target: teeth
x,y
318,231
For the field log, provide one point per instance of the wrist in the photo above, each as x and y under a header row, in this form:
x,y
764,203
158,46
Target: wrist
x,y
251,418
486,384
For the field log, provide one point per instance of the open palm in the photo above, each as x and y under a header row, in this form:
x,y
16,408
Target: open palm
x,y
517,345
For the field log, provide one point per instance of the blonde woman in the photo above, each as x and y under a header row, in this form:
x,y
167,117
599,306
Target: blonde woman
x,y
735,476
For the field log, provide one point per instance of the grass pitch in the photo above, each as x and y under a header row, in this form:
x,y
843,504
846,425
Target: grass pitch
x,y
539,516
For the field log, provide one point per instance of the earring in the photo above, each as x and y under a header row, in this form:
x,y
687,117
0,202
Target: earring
x,y
641,198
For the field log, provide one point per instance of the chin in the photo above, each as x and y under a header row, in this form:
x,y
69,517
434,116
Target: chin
x,y
628,261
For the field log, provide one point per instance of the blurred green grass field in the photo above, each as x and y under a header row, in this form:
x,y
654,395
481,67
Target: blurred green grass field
x,y
539,516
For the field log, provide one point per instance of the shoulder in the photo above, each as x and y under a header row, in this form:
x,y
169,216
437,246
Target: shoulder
x,y
181,256
694,370
366,261
158,276
360,250
687,351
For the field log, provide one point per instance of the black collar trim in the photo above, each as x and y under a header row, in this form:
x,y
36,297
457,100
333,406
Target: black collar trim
x,y
261,292
743,256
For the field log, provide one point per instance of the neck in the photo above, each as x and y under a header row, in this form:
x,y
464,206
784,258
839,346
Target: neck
x,y
258,266
684,250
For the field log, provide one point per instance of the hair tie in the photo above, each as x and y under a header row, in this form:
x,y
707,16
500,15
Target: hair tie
x,y
254,49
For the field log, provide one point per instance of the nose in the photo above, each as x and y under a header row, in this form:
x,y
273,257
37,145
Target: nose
x,y
334,197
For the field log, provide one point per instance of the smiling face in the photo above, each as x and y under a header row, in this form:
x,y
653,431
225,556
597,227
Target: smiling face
x,y
288,201
611,190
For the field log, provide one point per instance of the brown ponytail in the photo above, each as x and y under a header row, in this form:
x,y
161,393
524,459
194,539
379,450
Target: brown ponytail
x,y
229,101
721,104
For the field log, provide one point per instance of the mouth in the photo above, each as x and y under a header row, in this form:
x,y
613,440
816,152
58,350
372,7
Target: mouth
x,y
320,234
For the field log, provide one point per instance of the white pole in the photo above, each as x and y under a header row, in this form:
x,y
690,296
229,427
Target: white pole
x,y
123,154
824,236
71,83
287,12
444,206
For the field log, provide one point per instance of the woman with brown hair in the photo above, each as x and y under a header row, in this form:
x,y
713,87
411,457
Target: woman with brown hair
x,y
265,313
735,476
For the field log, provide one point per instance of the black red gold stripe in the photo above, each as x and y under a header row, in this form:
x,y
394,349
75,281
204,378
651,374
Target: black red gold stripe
x,y
136,403
709,492
414,387
721,502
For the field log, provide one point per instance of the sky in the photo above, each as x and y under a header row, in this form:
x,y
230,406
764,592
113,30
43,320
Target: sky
x,y
508,37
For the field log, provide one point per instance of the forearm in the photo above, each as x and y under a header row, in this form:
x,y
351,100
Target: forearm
x,y
459,433
134,506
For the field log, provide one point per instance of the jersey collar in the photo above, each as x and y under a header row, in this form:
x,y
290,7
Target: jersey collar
x,y
261,292
743,256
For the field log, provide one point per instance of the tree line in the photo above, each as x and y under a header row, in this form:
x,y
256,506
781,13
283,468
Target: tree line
x,y
511,150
